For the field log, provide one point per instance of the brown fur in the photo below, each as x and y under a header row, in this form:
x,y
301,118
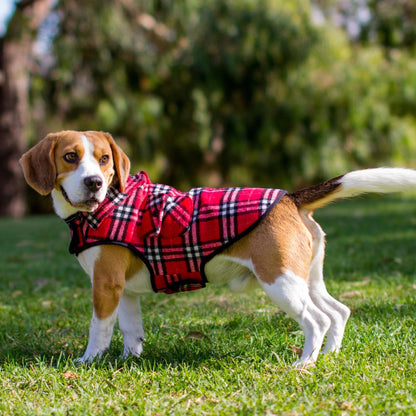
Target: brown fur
x,y
114,266
271,254
38,165
316,196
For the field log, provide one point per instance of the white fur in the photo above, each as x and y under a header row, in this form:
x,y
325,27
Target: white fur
x,y
336,311
139,283
88,166
130,322
101,331
61,207
378,180
238,273
87,259
291,294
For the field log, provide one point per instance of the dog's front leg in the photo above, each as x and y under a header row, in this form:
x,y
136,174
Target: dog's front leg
x,y
130,321
108,285
101,331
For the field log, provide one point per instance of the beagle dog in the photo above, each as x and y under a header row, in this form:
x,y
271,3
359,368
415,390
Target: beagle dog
x,y
281,249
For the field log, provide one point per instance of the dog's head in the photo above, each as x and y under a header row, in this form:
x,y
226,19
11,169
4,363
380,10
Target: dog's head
x,y
77,167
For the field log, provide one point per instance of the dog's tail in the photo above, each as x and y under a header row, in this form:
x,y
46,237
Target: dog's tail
x,y
379,180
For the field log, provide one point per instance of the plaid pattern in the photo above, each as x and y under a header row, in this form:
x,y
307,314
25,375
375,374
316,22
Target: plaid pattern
x,y
173,232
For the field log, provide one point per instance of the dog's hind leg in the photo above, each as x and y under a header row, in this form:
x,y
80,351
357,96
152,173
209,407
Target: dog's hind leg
x,y
291,294
338,312
130,322
280,250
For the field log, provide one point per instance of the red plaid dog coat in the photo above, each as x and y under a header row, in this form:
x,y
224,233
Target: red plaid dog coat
x,y
174,233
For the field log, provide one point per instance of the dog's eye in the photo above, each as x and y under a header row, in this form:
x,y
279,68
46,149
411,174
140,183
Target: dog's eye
x,y
104,160
71,157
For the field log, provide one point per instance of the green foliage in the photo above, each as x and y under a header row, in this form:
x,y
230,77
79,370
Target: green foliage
x,y
350,108
242,92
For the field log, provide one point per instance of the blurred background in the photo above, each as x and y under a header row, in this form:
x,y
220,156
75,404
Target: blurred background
x,y
278,93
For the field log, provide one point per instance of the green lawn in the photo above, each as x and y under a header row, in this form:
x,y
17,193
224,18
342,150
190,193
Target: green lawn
x,y
211,352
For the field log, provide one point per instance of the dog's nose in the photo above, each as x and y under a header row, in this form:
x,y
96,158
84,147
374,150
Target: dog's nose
x,y
93,183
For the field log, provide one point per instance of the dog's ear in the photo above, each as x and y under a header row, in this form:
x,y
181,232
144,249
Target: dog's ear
x,y
121,162
38,165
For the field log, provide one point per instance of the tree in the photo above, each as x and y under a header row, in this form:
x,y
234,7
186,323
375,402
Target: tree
x,y
15,62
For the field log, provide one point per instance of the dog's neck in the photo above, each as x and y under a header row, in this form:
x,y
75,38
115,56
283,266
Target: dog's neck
x,y
62,208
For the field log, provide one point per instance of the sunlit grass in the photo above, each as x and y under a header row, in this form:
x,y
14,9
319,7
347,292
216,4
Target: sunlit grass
x,y
240,362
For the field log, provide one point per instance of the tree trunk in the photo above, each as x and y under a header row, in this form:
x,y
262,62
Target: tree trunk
x,y
15,61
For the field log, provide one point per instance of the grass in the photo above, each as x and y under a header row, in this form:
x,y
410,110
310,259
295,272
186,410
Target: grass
x,y
212,352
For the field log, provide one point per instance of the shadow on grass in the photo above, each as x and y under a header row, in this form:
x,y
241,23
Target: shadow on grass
x,y
217,344
231,342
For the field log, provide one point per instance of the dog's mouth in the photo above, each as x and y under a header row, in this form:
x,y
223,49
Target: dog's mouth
x,y
88,204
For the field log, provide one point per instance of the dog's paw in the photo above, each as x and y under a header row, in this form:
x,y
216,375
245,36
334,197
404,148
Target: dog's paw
x,y
132,350
78,362
304,363
88,358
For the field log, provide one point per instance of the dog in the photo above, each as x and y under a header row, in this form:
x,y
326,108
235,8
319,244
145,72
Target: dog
x,y
276,245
